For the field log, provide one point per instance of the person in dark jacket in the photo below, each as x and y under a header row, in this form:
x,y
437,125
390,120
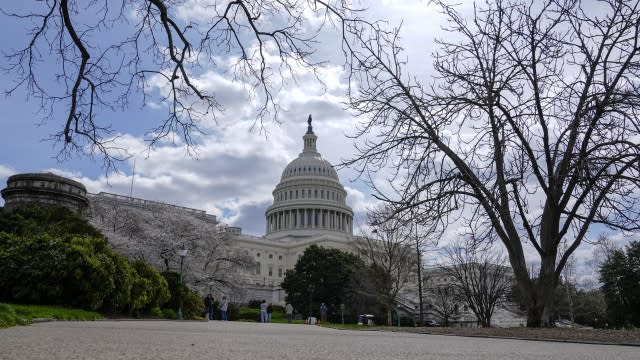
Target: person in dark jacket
x,y
209,303
269,311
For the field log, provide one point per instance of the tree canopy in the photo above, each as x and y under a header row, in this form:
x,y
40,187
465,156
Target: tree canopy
x,y
620,277
320,275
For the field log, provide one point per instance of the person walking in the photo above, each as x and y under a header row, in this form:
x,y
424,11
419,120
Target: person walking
x,y
269,311
208,303
263,311
323,313
224,305
288,309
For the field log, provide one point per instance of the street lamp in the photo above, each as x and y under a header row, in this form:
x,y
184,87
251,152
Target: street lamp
x,y
182,253
311,288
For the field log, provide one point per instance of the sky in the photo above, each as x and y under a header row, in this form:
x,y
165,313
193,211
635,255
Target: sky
x,y
237,165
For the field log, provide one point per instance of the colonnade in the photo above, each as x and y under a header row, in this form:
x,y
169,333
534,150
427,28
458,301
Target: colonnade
x,y
309,219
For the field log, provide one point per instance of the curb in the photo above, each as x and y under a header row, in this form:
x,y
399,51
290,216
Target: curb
x,y
587,342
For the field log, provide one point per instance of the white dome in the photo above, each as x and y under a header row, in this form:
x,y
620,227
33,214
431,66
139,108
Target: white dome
x,y
309,166
309,198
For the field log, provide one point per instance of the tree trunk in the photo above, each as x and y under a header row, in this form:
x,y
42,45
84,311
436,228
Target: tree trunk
x,y
566,287
420,301
540,308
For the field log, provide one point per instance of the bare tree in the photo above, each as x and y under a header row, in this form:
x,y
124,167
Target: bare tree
x,y
389,256
85,58
481,279
527,135
421,238
443,301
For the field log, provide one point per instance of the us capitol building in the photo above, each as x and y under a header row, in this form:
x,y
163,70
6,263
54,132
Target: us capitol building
x,y
309,207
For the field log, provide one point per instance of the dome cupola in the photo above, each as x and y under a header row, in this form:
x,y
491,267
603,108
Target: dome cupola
x,y
309,198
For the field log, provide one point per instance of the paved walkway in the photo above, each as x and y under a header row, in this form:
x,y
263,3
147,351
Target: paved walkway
x,y
237,341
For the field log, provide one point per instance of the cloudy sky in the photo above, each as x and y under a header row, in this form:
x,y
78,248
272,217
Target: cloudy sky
x,y
237,165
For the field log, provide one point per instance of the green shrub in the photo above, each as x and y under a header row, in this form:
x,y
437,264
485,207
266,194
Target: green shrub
x,y
156,312
193,305
148,289
8,317
168,314
53,256
407,321
254,303
35,218
233,312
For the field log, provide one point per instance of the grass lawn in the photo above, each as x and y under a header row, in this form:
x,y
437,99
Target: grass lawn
x,y
253,315
17,314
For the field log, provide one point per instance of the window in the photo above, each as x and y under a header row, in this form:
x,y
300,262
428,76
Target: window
x,y
270,256
279,257
280,272
258,255
315,193
270,270
258,268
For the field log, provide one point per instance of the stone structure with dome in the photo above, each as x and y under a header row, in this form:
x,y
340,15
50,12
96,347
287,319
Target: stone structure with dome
x,y
44,188
309,198
309,207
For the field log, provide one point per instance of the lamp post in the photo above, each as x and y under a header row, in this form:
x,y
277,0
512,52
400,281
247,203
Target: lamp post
x,y
311,288
398,314
182,253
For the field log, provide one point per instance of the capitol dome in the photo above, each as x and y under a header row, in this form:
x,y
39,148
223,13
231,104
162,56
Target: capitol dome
x,y
309,198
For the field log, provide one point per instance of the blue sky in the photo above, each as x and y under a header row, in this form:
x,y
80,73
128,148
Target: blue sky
x,y
236,168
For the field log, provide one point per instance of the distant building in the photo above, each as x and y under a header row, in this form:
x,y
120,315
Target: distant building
x,y
438,288
44,188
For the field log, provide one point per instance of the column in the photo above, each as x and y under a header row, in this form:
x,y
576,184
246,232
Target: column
x,y
304,218
315,218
